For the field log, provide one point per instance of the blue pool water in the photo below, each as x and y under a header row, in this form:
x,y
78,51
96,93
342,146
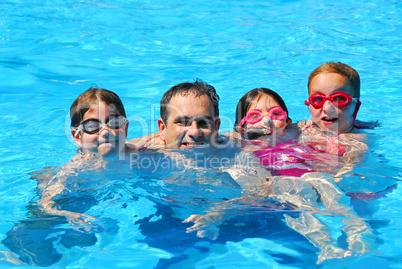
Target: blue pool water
x,y
51,51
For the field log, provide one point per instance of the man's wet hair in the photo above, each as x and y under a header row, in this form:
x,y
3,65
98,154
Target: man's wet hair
x,y
198,88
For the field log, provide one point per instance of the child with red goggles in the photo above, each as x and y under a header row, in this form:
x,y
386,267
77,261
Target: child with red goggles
x,y
334,91
339,99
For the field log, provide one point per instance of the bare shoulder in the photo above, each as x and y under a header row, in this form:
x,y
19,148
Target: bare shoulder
x,y
359,136
303,124
150,141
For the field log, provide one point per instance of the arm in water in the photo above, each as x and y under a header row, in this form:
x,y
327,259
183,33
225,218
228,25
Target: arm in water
x,y
249,175
57,186
336,204
304,195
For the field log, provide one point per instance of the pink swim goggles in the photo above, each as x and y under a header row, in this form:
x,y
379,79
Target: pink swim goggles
x,y
254,116
339,99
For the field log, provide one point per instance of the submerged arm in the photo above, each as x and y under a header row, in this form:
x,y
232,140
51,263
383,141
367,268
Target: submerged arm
x,y
334,200
48,205
55,187
250,179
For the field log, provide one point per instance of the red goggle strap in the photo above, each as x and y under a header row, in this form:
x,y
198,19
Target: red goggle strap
x,y
356,109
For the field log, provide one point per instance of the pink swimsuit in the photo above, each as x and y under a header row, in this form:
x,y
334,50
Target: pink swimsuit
x,y
286,159
290,159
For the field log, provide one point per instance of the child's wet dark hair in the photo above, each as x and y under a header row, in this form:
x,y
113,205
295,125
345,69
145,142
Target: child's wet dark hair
x,y
245,101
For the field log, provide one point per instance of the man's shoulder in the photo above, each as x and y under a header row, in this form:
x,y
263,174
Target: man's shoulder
x,y
304,124
149,141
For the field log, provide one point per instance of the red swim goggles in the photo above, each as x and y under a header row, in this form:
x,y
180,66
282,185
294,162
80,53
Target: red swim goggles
x,y
339,99
254,116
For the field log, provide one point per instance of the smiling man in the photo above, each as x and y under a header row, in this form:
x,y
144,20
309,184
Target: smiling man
x,y
189,119
189,116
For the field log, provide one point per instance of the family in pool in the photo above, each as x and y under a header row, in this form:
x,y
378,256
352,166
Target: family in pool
x,y
302,163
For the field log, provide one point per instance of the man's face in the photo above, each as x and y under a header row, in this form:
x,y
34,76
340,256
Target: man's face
x,y
191,122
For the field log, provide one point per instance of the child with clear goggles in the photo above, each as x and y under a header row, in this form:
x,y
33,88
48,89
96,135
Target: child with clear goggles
x,y
90,113
93,126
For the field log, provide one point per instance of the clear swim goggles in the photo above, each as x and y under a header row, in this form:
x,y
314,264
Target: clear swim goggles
x,y
254,116
93,126
339,99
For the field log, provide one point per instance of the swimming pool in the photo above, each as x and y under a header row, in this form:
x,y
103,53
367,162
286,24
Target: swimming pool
x,y
51,51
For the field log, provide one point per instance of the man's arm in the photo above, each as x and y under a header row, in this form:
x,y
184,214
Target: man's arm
x,y
150,141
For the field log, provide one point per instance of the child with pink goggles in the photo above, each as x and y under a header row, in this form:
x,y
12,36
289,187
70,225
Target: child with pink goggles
x,y
254,116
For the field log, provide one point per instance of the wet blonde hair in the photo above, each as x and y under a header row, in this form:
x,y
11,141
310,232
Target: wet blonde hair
x,y
342,69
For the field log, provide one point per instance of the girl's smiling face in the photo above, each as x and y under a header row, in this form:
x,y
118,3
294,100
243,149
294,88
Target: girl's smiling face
x,y
264,103
329,117
107,140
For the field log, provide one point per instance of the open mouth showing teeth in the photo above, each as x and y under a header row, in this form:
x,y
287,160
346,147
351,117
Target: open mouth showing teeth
x,y
329,119
193,144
